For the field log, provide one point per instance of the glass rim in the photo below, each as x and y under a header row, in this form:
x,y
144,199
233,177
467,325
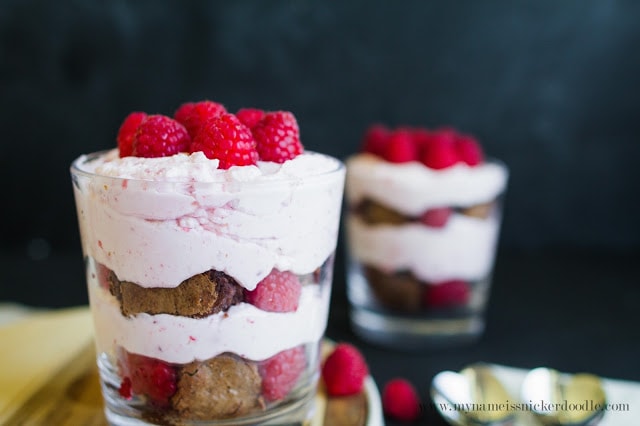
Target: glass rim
x,y
76,170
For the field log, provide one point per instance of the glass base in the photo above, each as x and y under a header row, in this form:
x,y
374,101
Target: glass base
x,y
298,410
414,333
296,413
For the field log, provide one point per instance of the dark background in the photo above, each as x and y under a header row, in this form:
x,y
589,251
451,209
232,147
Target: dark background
x,y
550,87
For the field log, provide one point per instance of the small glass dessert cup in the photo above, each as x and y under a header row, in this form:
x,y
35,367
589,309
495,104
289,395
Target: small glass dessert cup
x,y
209,287
423,219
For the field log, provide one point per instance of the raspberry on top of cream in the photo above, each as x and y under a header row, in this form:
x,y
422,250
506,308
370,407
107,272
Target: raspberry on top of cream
x,y
412,188
266,211
413,170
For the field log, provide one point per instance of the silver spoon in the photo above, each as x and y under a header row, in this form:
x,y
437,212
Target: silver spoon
x,y
564,400
472,397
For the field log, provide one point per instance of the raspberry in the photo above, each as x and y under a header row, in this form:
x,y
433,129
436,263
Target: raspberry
x,y
421,137
447,294
194,114
147,376
160,136
400,147
277,292
400,400
280,373
278,137
250,116
436,218
440,151
125,390
469,150
344,370
375,139
127,132
228,140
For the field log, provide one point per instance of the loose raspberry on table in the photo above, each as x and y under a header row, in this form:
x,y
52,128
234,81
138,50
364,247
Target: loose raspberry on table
x,y
153,378
440,151
281,372
277,292
227,139
436,217
127,132
344,370
375,139
469,150
250,116
400,400
401,147
278,137
194,114
447,294
160,136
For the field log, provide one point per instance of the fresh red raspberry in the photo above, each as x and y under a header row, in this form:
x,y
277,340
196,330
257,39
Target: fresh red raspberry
x,y
469,150
281,372
151,377
194,114
437,217
447,294
440,151
228,140
344,370
250,116
400,401
277,292
375,139
160,136
421,137
125,390
127,132
401,147
278,137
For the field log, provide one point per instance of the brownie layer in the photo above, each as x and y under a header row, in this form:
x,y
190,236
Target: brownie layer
x,y
222,387
198,296
374,213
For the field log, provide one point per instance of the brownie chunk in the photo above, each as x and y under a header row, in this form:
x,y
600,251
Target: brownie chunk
x,y
374,213
222,387
481,211
199,296
400,291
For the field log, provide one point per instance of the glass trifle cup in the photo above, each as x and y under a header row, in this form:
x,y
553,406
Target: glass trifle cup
x,y
209,287
423,219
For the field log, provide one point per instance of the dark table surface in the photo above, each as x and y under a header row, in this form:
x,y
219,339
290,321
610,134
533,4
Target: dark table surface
x,y
573,310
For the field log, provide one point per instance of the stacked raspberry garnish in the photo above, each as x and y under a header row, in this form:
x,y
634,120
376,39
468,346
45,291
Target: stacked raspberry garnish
x,y
239,139
437,149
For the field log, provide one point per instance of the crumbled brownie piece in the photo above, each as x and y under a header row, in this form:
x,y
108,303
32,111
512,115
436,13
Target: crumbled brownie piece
x,y
198,296
222,387
374,213
481,211
399,290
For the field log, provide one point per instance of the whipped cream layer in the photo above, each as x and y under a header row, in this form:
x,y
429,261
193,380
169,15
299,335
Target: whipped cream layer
x,y
243,330
159,221
463,249
412,188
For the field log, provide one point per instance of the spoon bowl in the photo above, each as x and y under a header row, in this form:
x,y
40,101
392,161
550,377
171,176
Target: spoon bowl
x,y
472,397
558,399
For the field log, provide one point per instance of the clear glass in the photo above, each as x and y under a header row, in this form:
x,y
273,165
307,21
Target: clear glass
x,y
416,283
180,336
